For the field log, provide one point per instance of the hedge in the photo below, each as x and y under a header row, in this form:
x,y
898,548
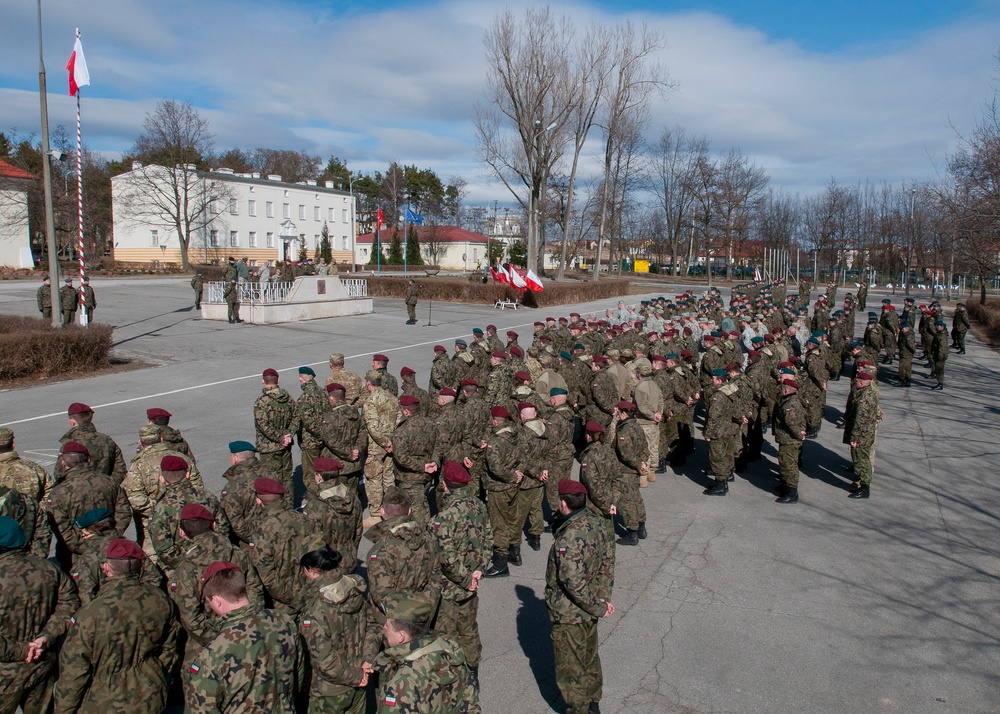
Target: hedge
x,y
466,291
32,348
988,316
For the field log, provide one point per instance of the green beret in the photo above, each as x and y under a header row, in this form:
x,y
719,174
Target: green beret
x,y
307,370
91,517
720,373
565,355
236,447
556,391
11,535
409,608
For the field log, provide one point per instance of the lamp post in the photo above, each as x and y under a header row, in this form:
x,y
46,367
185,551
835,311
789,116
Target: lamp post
x,y
909,245
50,223
354,219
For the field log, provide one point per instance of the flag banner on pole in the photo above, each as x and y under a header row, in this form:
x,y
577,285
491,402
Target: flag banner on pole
x,y
516,280
414,218
499,275
756,274
379,219
533,281
79,75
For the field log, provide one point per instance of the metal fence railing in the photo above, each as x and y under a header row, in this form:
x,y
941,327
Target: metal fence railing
x,y
356,287
255,293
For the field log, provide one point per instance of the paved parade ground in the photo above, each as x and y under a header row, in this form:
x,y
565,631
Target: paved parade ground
x,y
732,604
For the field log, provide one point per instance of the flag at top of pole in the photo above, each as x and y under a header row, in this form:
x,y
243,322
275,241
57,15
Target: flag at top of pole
x,y
79,75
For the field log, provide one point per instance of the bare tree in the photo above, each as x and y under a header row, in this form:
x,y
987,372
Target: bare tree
x,y
672,169
740,183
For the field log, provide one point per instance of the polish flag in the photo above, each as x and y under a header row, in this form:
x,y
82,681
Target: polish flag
x,y
516,280
379,219
499,276
79,75
534,282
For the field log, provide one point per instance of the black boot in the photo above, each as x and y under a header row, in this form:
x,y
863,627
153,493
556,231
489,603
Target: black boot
x,y
474,677
781,489
514,555
863,492
630,538
790,496
661,468
535,542
498,568
594,708
855,487
641,533
719,488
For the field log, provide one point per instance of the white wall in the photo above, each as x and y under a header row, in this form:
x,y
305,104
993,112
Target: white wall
x,y
15,239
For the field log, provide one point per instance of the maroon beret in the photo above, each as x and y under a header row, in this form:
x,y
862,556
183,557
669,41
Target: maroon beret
x,y
408,400
456,473
511,333
264,486
568,486
469,383
173,463
595,427
794,360
73,447
157,413
516,351
405,371
499,412
333,387
709,338
521,374
79,408
525,405
789,382
192,511
545,338
324,465
687,353
733,367
440,348
380,358
491,327
500,354
574,314
123,548
599,359
270,372
215,568
447,392
658,358
550,319
625,405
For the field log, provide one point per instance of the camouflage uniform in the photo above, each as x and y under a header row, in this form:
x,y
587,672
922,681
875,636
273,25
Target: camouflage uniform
x,y
442,373
87,574
403,559
174,440
415,390
381,414
275,550
648,397
29,515
274,416
861,426
89,301
43,296
341,433
504,456
238,499
577,582
604,397
789,427
813,387
310,410
143,487
165,519
722,430
105,456
198,285
560,426
37,600
119,653
448,444
336,514
632,450
83,489
429,674
255,664
477,428
599,467
499,384
907,347
25,476
534,441
354,386
389,383
69,299
412,448
464,538
335,630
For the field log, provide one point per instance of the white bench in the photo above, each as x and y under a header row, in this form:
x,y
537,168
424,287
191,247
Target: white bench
x,y
502,304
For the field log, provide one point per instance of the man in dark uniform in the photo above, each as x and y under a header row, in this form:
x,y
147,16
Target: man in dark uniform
x,y
198,284
89,299
68,300
411,302
44,298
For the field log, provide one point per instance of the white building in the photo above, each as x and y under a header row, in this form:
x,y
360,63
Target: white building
x,y
15,238
260,218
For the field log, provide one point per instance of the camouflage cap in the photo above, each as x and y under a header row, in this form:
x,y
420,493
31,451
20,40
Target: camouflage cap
x,y
149,431
411,608
337,358
373,374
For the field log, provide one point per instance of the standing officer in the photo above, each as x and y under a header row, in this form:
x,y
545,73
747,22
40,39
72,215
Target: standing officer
x,y
789,428
412,449
231,295
44,298
907,346
959,326
89,299
863,416
275,420
380,414
68,300
310,408
577,588
411,302
939,353
105,454
198,285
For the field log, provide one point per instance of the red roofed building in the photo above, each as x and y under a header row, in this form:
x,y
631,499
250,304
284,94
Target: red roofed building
x,y
15,239
448,247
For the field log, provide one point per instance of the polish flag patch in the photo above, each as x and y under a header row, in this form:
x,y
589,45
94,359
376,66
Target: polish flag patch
x,y
195,669
390,701
562,551
373,556
307,624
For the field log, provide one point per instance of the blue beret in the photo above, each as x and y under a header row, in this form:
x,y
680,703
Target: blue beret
x,y
89,518
11,535
565,355
673,355
812,341
463,343
307,370
872,314
556,391
236,447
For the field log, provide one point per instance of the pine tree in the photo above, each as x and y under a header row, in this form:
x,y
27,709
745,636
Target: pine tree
x,y
375,258
395,249
413,256
324,251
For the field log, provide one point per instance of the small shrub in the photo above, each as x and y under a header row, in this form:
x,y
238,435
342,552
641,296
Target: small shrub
x,y
988,316
32,348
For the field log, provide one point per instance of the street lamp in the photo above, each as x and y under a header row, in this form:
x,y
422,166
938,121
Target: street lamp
x,y
354,218
50,223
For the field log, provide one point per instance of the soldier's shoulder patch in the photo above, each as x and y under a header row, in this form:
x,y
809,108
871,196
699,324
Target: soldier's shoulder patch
x,y
583,466
373,556
75,576
562,551
72,621
224,492
437,524
195,669
173,585
307,624
621,438
48,501
390,701
250,545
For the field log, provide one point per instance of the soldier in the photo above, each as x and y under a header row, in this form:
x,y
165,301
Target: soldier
x,y
89,299
230,272
170,437
231,294
238,500
198,285
97,530
477,426
335,511
411,302
275,420
907,346
310,409
449,425
789,429
123,644
420,669
410,386
604,393
342,435
463,363
354,386
939,353
413,456
22,475
105,456
255,663
335,630
560,428
277,544
889,322
380,414
536,457
648,399
380,364
68,301
43,296
814,381
504,467
30,516
862,418
442,371
500,382
464,537
632,450
577,588
44,600
959,326
599,468
722,428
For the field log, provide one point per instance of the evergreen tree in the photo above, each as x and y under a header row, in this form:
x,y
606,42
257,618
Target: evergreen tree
x,y
395,249
518,253
324,250
413,256
375,258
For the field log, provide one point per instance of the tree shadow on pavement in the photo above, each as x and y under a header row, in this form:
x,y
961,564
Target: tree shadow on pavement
x,y
533,629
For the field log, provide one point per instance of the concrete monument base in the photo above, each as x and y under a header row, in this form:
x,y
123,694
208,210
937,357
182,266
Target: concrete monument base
x,y
311,297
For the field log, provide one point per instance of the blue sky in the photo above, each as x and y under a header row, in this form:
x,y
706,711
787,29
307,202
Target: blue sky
x,y
811,91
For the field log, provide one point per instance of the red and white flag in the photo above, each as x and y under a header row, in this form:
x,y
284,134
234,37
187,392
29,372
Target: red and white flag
x,y
500,275
515,279
534,282
79,75
379,219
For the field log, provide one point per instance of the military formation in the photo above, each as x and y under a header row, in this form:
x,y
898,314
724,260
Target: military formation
x,y
70,299
255,599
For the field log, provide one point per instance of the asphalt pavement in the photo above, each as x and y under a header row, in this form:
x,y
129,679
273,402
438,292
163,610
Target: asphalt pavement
x,y
732,604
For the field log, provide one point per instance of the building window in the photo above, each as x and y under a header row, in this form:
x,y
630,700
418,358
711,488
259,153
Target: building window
x,y
330,215
251,208
269,209
315,213
286,210
154,239
234,207
216,207
316,241
302,212
234,239
345,215
253,239
213,238
344,245
270,239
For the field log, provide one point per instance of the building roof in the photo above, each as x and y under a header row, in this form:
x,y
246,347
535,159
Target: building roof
x,y
439,234
12,172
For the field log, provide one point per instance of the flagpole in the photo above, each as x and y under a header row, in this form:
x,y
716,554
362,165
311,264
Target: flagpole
x,y
79,205
405,237
378,242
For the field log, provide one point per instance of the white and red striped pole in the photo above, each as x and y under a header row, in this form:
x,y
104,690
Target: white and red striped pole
x,y
79,207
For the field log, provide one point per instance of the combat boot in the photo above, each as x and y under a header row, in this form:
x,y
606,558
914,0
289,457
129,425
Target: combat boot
x,y
643,481
535,542
514,555
863,492
650,477
790,496
630,538
498,568
719,488
641,533
732,477
594,708
782,489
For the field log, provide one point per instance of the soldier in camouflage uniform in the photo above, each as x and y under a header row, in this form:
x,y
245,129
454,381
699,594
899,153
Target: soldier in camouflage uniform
x,y
69,300
421,670
577,588
464,538
410,386
22,475
256,662
44,600
476,430
43,296
632,450
277,545
907,347
789,428
30,516
238,500
813,386
860,430
500,382
354,386
334,627
599,468
380,414
889,322
275,420
560,427
722,429
198,285
123,644
604,394
335,511
449,425
535,443
463,364
413,455
380,364
342,435
959,327
504,467
442,371
170,436
310,409
939,353
97,530
105,456
648,399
